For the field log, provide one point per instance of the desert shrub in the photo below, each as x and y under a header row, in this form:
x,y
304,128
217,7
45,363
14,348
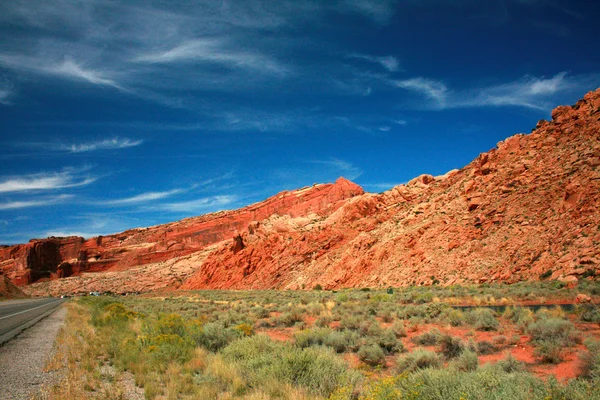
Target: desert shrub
x,y
451,346
351,323
519,316
371,354
245,329
261,312
314,309
456,317
261,360
386,315
509,364
483,319
289,318
590,360
429,338
418,359
342,341
215,336
484,347
387,340
323,321
551,336
399,329
591,314
467,361
311,337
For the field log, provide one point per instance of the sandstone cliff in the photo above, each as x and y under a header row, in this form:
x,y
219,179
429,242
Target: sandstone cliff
x,y
526,210
54,258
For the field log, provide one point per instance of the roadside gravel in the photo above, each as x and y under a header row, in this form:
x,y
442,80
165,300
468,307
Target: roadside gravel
x,y
22,360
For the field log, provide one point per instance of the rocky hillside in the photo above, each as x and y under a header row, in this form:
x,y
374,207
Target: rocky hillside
x,y
526,210
8,290
54,258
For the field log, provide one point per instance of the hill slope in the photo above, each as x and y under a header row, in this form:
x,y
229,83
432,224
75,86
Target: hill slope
x,y
525,210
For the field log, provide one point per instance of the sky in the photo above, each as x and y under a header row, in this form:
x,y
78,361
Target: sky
x,y
122,114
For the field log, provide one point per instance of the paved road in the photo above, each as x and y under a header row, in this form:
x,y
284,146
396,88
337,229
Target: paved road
x,y
15,314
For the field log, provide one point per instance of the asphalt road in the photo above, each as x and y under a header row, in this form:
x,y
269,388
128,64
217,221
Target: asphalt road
x,y
16,314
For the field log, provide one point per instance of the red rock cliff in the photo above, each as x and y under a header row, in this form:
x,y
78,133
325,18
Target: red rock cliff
x,y
54,258
525,210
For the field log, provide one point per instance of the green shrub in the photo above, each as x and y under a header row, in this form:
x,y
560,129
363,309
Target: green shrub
x,y
467,361
551,336
484,320
590,360
214,336
311,337
510,364
456,317
418,359
342,341
261,360
372,354
484,347
591,314
399,329
430,338
451,346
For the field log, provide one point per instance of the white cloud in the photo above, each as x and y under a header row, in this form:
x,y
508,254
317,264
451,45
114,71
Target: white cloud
x,y
12,205
143,197
203,205
5,95
336,166
108,144
67,68
433,89
381,11
390,63
214,50
68,178
529,92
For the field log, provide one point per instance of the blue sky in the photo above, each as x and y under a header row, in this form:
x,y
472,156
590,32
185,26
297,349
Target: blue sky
x,y
127,114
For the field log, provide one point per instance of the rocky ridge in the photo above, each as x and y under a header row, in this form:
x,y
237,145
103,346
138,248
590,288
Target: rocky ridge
x,y
55,258
526,210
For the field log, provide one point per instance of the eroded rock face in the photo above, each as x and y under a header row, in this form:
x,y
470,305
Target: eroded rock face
x,y
53,258
526,210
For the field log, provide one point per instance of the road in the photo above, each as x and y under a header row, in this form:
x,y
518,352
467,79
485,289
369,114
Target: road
x,y
16,315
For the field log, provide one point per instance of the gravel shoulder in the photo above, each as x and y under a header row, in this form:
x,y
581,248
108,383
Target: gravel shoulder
x,y
22,360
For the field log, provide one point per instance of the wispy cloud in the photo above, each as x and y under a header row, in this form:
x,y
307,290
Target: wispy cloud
x,y
215,50
107,144
5,94
435,90
67,69
202,205
529,92
67,178
380,11
341,167
48,201
390,63
142,198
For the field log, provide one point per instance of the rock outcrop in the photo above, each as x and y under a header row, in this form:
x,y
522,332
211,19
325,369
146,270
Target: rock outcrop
x,y
55,258
8,290
525,210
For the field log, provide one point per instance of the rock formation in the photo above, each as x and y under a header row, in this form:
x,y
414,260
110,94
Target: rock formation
x,y
54,258
526,210
8,290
